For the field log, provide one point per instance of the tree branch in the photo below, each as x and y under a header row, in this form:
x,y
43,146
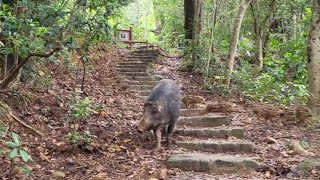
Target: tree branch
x,y
4,84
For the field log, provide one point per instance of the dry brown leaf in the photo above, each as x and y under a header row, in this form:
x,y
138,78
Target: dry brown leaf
x,y
100,176
163,174
58,174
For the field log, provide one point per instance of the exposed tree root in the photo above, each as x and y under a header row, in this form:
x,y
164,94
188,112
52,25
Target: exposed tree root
x,y
6,113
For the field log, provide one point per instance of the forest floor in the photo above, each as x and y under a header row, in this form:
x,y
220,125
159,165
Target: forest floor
x,y
117,151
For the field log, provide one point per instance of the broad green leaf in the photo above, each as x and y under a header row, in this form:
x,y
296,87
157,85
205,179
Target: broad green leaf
x,y
13,153
15,138
25,156
11,144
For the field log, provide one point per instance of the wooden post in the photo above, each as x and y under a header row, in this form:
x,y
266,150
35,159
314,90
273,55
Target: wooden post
x,y
130,34
147,44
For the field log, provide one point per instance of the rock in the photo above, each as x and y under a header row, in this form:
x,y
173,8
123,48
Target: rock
x,y
297,148
192,100
308,165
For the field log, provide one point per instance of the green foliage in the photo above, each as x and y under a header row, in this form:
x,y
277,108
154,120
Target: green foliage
x,y
16,149
3,129
80,109
266,87
29,26
171,18
27,171
80,137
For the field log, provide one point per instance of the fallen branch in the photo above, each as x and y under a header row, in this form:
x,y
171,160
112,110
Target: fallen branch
x,y
24,124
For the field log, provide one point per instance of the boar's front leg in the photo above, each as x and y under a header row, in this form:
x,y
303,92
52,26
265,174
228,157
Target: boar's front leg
x,y
157,135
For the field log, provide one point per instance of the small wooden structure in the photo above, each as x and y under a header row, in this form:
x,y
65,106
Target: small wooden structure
x,y
125,35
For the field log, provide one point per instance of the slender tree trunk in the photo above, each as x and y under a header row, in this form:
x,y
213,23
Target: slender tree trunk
x,y
3,67
313,50
260,49
259,34
189,13
234,41
213,21
198,20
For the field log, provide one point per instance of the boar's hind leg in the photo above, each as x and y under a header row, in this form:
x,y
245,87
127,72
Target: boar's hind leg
x,y
165,131
169,132
157,134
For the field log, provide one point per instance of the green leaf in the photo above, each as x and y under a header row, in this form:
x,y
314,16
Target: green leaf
x,y
25,156
15,138
11,144
13,153
42,30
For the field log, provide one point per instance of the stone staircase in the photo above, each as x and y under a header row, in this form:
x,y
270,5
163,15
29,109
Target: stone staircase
x,y
209,143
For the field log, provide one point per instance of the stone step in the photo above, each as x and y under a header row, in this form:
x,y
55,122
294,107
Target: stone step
x,y
144,92
141,87
217,146
204,121
152,83
221,132
132,64
144,54
136,58
139,78
134,61
131,69
149,51
213,163
191,112
141,57
135,73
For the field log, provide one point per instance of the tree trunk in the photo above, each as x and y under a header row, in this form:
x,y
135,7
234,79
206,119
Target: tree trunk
x,y
313,50
234,41
213,21
189,13
3,67
198,19
260,49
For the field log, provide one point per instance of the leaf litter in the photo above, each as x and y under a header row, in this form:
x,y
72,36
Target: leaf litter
x,y
118,151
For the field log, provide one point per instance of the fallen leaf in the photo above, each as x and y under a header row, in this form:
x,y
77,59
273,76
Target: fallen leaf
x,y
267,174
100,176
58,174
163,174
